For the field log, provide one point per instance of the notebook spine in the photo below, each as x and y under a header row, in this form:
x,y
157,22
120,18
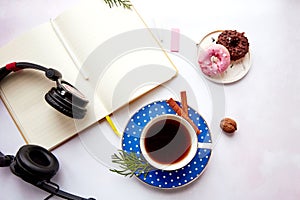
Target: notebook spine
x,y
68,49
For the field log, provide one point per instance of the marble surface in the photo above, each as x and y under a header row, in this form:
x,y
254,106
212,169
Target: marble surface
x,y
261,161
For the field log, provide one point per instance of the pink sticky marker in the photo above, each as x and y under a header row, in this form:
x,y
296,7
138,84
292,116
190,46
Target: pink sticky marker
x,y
175,38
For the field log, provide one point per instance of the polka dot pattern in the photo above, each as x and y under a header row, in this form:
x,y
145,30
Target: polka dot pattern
x,y
161,178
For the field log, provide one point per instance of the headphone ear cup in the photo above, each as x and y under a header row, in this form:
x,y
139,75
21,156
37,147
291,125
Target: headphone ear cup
x,y
54,98
52,102
34,163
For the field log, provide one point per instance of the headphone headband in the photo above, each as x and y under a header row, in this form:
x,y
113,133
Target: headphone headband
x,y
50,73
16,66
12,67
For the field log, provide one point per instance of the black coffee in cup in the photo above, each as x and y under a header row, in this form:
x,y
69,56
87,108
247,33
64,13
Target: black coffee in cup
x,y
167,141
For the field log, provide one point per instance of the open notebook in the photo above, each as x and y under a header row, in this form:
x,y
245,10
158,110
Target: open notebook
x,y
75,43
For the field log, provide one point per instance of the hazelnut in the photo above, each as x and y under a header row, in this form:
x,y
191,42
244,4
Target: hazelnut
x,y
228,125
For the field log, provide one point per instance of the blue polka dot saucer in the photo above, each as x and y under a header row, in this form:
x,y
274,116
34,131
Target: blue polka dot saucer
x,y
160,178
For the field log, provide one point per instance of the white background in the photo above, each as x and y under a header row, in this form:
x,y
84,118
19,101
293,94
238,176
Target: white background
x,y
261,161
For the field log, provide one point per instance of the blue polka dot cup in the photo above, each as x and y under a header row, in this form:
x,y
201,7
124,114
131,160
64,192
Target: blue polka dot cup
x,y
168,142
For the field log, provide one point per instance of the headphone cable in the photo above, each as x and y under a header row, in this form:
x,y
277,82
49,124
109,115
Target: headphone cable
x,y
52,194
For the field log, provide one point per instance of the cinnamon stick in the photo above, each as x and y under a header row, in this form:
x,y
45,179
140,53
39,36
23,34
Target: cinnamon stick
x,y
180,112
184,104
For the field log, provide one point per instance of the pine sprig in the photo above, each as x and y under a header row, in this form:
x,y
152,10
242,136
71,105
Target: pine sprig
x,y
125,3
130,164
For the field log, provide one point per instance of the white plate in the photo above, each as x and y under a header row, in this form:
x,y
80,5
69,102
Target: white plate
x,y
237,69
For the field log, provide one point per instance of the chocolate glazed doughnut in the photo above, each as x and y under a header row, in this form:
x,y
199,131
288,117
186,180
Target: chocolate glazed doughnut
x,y
236,43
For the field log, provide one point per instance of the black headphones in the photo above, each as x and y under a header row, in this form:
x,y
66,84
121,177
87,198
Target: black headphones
x,y
64,97
36,165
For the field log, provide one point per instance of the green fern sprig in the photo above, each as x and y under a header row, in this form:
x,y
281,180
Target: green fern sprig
x,y
125,3
131,164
